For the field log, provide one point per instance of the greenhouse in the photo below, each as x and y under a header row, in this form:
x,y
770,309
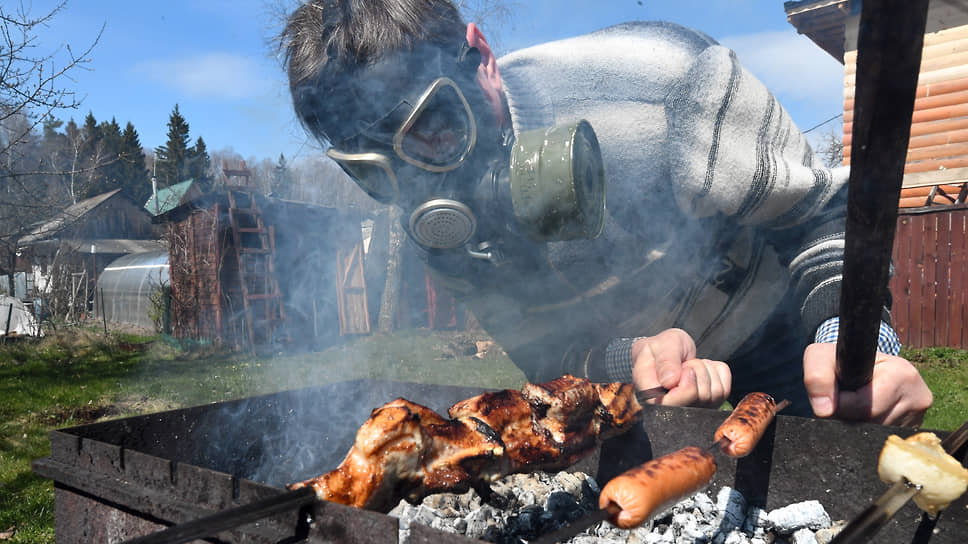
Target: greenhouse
x,y
130,290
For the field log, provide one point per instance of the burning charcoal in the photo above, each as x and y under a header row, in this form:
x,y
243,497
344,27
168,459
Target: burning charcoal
x,y
736,537
732,507
660,538
803,536
705,506
756,522
563,506
570,483
809,514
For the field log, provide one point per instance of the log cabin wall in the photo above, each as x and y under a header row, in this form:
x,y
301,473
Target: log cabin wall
x,y
938,150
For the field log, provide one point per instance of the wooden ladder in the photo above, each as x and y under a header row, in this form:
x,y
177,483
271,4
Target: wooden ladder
x,y
255,252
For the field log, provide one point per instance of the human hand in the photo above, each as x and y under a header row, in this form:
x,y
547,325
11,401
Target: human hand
x,y
669,359
896,395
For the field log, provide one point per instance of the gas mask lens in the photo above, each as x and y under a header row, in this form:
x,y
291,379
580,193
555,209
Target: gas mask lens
x,y
436,136
440,131
371,171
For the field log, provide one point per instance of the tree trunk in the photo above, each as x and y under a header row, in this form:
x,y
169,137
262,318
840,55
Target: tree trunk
x,y
391,292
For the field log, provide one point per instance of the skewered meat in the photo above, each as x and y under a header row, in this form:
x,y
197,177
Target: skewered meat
x,y
405,450
404,445
746,424
922,461
645,490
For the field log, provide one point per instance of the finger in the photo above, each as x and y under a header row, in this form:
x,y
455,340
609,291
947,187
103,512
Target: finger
x,y
684,393
643,368
725,379
669,349
704,380
820,378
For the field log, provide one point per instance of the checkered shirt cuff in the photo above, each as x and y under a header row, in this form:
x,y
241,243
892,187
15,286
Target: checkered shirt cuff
x,y
618,359
887,340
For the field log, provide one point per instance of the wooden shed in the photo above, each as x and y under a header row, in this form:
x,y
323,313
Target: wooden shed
x,y
931,244
250,271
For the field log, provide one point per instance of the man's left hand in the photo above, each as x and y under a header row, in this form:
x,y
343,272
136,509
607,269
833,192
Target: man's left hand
x,y
897,395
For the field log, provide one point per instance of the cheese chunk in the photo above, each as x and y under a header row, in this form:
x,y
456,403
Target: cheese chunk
x,y
921,459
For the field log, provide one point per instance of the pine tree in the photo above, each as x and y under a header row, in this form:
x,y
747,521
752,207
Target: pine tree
x,y
135,181
282,179
172,157
200,164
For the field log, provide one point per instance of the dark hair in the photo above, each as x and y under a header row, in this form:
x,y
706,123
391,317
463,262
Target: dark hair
x,y
324,40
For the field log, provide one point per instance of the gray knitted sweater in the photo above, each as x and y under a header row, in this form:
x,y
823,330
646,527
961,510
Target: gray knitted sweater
x,y
718,214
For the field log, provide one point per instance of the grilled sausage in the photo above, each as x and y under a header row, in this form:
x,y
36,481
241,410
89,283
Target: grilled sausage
x,y
645,490
746,425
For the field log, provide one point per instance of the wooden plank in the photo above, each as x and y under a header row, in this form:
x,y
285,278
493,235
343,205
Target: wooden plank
x,y
951,111
950,177
924,190
955,278
942,298
929,292
926,78
928,140
937,59
939,164
917,282
959,280
937,152
920,129
901,282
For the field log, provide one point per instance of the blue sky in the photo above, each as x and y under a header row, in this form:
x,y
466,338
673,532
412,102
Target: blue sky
x,y
214,59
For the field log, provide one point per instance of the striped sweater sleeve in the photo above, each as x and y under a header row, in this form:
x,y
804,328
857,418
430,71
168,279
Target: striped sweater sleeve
x,y
734,151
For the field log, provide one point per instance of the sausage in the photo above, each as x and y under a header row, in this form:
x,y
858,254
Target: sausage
x,y
645,490
746,425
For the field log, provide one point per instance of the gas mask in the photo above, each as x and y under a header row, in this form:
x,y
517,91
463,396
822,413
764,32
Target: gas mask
x,y
466,184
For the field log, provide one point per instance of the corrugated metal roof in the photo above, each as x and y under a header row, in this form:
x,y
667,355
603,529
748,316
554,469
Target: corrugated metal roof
x,y
47,229
168,198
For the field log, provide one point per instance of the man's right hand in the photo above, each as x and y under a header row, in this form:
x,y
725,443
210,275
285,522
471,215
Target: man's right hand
x,y
669,359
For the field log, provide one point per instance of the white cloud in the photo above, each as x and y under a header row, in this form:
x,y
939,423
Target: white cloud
x,y
211,75
791,65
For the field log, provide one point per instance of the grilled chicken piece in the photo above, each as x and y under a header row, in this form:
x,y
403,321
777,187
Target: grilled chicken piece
x,y
618,409
406,446
564,408
527,446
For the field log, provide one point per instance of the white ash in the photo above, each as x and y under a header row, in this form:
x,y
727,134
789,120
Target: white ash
x,y
521,507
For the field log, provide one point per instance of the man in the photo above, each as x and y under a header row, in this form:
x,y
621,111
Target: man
x,y
721,240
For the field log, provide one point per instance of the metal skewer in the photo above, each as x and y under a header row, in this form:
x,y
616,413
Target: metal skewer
x,y
650,393
875,516
229,519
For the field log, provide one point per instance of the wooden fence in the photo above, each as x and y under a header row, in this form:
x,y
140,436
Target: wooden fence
x,y
930,284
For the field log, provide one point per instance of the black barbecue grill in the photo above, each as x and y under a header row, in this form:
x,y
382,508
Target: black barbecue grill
x,y
121,479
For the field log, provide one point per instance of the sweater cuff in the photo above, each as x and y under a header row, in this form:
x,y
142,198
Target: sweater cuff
x,y
618,359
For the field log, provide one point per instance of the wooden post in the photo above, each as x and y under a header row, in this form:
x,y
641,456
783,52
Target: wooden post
x,y
888,62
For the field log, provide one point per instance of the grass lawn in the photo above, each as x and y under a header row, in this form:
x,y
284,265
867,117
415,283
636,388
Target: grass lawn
x,y
80,376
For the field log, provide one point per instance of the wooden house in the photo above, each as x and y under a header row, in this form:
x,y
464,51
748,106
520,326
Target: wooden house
x,y
930,284
249,271
71,248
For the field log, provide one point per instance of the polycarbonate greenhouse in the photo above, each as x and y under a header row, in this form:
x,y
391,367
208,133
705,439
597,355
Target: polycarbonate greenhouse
x,y
129,289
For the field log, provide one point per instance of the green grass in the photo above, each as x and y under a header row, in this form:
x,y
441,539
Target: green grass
x,y
945,370
80,376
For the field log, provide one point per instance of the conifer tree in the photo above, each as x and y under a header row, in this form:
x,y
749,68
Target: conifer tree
x,y
200,164
135,181
172,163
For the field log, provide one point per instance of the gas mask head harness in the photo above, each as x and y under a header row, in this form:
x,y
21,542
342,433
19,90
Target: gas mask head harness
x,y
436,150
